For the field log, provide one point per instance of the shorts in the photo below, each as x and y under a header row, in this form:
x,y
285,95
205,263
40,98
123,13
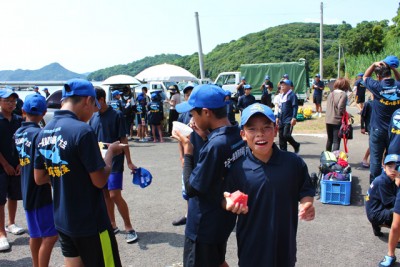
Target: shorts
x,y
139,118
41,222
317,99
360,99
10,187
200,254
115,181
96,250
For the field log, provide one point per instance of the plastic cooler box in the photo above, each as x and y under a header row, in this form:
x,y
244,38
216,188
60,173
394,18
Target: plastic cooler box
x,y
336,192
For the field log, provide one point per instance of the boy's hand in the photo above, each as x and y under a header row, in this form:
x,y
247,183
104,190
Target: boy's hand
x,y
229,205
307,211
9,169
132,167
185,142
203,134
116,148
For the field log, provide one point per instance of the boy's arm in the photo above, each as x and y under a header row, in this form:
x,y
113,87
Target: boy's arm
x,y
227,204
41,176
6,166
131,166
306,209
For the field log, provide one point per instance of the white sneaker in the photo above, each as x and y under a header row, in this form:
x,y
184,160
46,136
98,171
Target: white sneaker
x,y
4,245
15,229
319,115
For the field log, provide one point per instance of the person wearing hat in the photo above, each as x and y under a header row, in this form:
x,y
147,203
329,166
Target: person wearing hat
x,y
247,99
381,195
36,89
46,91
318,87
10,179
386,92
175,99
360,89
155,116
287,116
116,102
141,114
69,157
231,107
37,199
240,87
208,226
271,217
266,90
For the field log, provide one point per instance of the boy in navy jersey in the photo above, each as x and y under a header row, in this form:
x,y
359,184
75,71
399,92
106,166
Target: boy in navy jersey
x,y
275,182
68,155
208,225
37,199
155,116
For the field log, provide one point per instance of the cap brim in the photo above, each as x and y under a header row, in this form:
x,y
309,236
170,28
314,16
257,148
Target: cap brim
x,y
184,107
97,103
6,95
243,123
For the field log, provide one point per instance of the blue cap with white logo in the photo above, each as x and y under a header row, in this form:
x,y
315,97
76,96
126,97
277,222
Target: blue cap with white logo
x,y
142,177
392,61
392,158
79,87
116,92
255,109
35,104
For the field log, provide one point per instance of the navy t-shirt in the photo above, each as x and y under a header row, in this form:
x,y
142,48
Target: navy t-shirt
x,y
360,87
33,196
386,101
394,133
109,127
7,144
69,151
265,90
266,235
245,101
155,112
318,92
288,108
381,195
207,221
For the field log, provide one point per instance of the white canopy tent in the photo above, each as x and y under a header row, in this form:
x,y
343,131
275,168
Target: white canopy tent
x,y
121,80
166,72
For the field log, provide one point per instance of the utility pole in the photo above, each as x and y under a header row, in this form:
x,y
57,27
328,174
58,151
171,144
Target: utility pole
x,y
201,61
338,65
321,43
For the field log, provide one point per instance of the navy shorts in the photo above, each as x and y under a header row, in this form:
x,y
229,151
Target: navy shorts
x,y
139,118
360,99
41,222
200,254
317,99
115,181
10,187
96,250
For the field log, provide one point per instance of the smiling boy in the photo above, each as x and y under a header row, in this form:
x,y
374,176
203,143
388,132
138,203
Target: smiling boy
x,y
276,182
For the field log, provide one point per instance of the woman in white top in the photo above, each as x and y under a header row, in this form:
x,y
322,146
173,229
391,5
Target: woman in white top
x,y
173,101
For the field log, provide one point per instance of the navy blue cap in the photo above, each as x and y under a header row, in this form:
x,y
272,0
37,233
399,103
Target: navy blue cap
x,y
116,92
392,61
203,96
266,77
286,76
79,87
288,82
318,75
228,93
35,104
360,74
153,95
392,158
255,109
4,93
35,87
142,177
243,78
44,89
247,86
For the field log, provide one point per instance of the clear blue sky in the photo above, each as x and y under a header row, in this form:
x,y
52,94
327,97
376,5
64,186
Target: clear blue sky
x,y
87,35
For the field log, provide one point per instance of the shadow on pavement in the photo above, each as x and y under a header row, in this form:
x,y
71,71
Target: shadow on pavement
x,y
20,262
357,196
149,238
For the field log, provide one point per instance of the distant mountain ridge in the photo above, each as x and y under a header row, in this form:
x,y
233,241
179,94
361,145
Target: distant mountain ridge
x,y
51,72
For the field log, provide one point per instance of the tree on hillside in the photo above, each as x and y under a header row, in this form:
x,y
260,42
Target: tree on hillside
x,y
394,30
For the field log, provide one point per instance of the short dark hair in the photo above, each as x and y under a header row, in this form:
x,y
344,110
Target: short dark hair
x,y
100,92
219,113
75,99
383,71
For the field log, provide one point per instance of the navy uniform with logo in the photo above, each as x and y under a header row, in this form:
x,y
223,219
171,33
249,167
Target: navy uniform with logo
x,y
394,133
155,110
68,150
360,93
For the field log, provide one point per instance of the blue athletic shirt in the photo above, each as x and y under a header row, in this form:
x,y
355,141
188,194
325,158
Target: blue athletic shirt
x,y
7,144
381,195
288,109
33,196
394,133
360,87
155,112
386,101
207,221
318,92
69,151
110,127
266,235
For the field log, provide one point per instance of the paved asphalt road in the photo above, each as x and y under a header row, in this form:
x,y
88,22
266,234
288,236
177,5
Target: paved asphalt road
x,y
339,235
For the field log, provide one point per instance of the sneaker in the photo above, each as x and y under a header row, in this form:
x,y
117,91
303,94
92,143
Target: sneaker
x,y
297,149
387,261
15,229
131,236
4,245
377,230
181,221
116,230
319,115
